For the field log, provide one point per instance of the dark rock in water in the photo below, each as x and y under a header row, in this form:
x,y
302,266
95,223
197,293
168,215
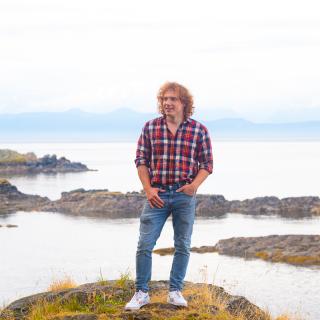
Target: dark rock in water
x,y
287,207
12,162
170,251
119,205
12,200
113,205
110,297
301,250
101,203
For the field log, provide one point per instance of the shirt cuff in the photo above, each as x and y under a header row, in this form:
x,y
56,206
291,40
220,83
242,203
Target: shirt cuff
x,y
140,162
206,166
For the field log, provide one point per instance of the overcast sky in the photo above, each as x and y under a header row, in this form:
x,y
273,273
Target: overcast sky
x,y
253,57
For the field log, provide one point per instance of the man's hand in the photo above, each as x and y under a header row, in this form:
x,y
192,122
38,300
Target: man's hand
x,y
153,197
189,189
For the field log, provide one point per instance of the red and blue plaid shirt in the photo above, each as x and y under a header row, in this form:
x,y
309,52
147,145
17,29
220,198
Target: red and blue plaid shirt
x,y
173,159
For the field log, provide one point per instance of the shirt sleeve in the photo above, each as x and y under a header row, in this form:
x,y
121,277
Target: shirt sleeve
x,y
205,157
143,151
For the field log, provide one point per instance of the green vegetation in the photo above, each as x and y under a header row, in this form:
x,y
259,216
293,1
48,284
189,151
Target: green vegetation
x,y
124,280
108,301
62,284
11,156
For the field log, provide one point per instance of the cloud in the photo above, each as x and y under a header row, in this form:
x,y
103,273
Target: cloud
x,y
245,55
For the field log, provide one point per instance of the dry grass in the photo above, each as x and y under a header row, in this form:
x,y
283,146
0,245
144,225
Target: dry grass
x,y
204,303
62,284
278,256
164,251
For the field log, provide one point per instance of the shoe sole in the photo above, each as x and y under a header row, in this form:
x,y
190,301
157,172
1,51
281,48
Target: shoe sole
x,y
177,304
135,309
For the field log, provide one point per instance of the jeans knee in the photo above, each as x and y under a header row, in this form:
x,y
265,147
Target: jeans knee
x,y
182,246
145,248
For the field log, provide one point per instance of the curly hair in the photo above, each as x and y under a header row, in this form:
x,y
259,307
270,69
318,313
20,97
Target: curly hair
x,y
185,97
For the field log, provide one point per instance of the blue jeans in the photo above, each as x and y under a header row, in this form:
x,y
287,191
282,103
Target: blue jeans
x,y
152,220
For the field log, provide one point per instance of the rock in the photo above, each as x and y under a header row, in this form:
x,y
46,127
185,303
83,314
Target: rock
x,y
237,304
12,162
11,226
12,200
301,250
99,300
113,205
118,205
170,251
101,203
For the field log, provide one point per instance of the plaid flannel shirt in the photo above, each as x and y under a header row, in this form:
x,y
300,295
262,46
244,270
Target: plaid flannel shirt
x,y
173,159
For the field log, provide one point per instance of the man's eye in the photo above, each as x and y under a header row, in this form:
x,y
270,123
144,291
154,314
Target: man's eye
x,y
174,99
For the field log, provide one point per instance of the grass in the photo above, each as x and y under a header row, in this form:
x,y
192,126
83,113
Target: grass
x,y
204,303
11,156
62,284
278,256
124,279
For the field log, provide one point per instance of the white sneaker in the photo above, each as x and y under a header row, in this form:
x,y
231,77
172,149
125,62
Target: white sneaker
x,y
177,299
139,299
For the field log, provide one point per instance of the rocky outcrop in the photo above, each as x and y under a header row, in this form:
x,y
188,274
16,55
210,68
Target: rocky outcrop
x,y
303,250
12,162
287,207
105,300
101,203
129,205
12,200
292,249
170,251
113,205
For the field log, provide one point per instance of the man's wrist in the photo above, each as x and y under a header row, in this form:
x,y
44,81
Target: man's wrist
x,y
195,185
147,188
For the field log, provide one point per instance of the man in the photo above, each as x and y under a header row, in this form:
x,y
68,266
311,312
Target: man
x,y
173,158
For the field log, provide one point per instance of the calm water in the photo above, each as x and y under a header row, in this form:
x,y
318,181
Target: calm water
x,y
47,246
242,169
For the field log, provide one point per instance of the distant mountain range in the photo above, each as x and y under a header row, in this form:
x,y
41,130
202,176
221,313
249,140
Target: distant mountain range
x,y
125,125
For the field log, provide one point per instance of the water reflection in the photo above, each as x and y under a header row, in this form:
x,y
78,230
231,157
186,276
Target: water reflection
x,y
50,245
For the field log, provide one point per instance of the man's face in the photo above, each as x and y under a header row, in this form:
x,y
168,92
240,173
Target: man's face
x,y
172,105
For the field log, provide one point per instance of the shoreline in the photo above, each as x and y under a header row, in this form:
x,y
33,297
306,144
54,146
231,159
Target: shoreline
x,y
117,205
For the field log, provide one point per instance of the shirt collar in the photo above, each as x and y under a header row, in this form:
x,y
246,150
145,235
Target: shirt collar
x,y
184,122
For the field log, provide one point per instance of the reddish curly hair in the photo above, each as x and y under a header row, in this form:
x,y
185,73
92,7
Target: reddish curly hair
x,y
185,97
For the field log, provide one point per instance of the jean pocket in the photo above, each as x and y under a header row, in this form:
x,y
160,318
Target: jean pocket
x,y
187,194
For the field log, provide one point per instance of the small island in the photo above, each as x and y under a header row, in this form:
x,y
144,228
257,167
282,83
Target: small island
x,y
13,162
117,205
299,250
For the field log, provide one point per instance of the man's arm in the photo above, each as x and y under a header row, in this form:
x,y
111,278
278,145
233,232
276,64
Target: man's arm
x,y
142,161
151,193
